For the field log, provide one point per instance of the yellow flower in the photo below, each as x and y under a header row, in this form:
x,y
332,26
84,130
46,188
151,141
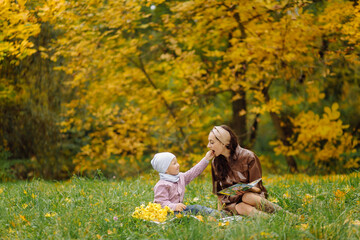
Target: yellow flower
x,y
200,218
50,214
221,224
265,234
33,196
23,218
307,199
286,195
304,226
24,206
152,212
356,222
1,190
339,194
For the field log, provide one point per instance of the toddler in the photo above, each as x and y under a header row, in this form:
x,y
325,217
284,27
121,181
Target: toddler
x,y
170,189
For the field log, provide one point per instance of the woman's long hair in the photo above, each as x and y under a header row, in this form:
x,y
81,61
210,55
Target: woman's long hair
x,y
220,163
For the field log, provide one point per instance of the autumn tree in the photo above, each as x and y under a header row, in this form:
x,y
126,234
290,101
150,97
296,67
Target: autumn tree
x,y
138,77
199,62
31,92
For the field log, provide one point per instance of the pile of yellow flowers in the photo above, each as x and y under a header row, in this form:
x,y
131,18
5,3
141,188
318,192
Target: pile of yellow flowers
x,y
152,212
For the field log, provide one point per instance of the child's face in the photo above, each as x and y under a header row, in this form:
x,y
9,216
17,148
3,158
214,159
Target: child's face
x,y
173,168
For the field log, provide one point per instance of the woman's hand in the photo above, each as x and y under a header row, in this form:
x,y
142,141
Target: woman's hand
x,y
240,192
180,207
255,190
210,155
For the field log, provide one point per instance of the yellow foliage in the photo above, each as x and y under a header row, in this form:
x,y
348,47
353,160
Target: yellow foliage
x,y
144,86
314,94
321,137
17,25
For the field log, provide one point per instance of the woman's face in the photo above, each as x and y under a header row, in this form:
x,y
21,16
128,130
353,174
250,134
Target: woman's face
x,y
215,145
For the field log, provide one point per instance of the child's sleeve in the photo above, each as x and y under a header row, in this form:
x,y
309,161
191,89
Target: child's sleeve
x,y
195,171
162,196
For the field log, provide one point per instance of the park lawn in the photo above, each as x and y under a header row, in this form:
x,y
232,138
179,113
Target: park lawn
x,y
328,207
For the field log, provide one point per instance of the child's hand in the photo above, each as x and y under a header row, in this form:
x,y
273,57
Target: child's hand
x,y
209,155
180,207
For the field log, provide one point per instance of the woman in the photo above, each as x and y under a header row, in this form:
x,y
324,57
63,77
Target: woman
x,y
234,164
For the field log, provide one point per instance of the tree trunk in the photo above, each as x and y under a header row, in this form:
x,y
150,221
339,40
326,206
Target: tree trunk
x,y
283,132
238,122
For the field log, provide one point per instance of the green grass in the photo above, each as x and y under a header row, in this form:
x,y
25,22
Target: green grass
x,y
85,209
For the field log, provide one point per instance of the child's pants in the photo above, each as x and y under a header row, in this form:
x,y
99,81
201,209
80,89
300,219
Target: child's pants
x,y
198,209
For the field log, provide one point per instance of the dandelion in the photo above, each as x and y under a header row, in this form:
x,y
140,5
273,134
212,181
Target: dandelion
x,y
356,223
23,218
339,194
304,226
222,224
107,220
152,212
50,214
286,195
201,219
307,199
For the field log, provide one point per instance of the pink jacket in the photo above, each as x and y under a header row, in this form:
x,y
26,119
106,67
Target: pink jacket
x,y
170,194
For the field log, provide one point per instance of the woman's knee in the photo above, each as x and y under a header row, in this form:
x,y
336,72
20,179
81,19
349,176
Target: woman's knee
x,y
244,208
252,199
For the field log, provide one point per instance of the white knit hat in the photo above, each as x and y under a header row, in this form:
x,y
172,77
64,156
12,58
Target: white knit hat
x,y
161,161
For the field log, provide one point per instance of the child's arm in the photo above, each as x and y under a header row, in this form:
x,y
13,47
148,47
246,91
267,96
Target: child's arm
x,y
162,196
198,168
